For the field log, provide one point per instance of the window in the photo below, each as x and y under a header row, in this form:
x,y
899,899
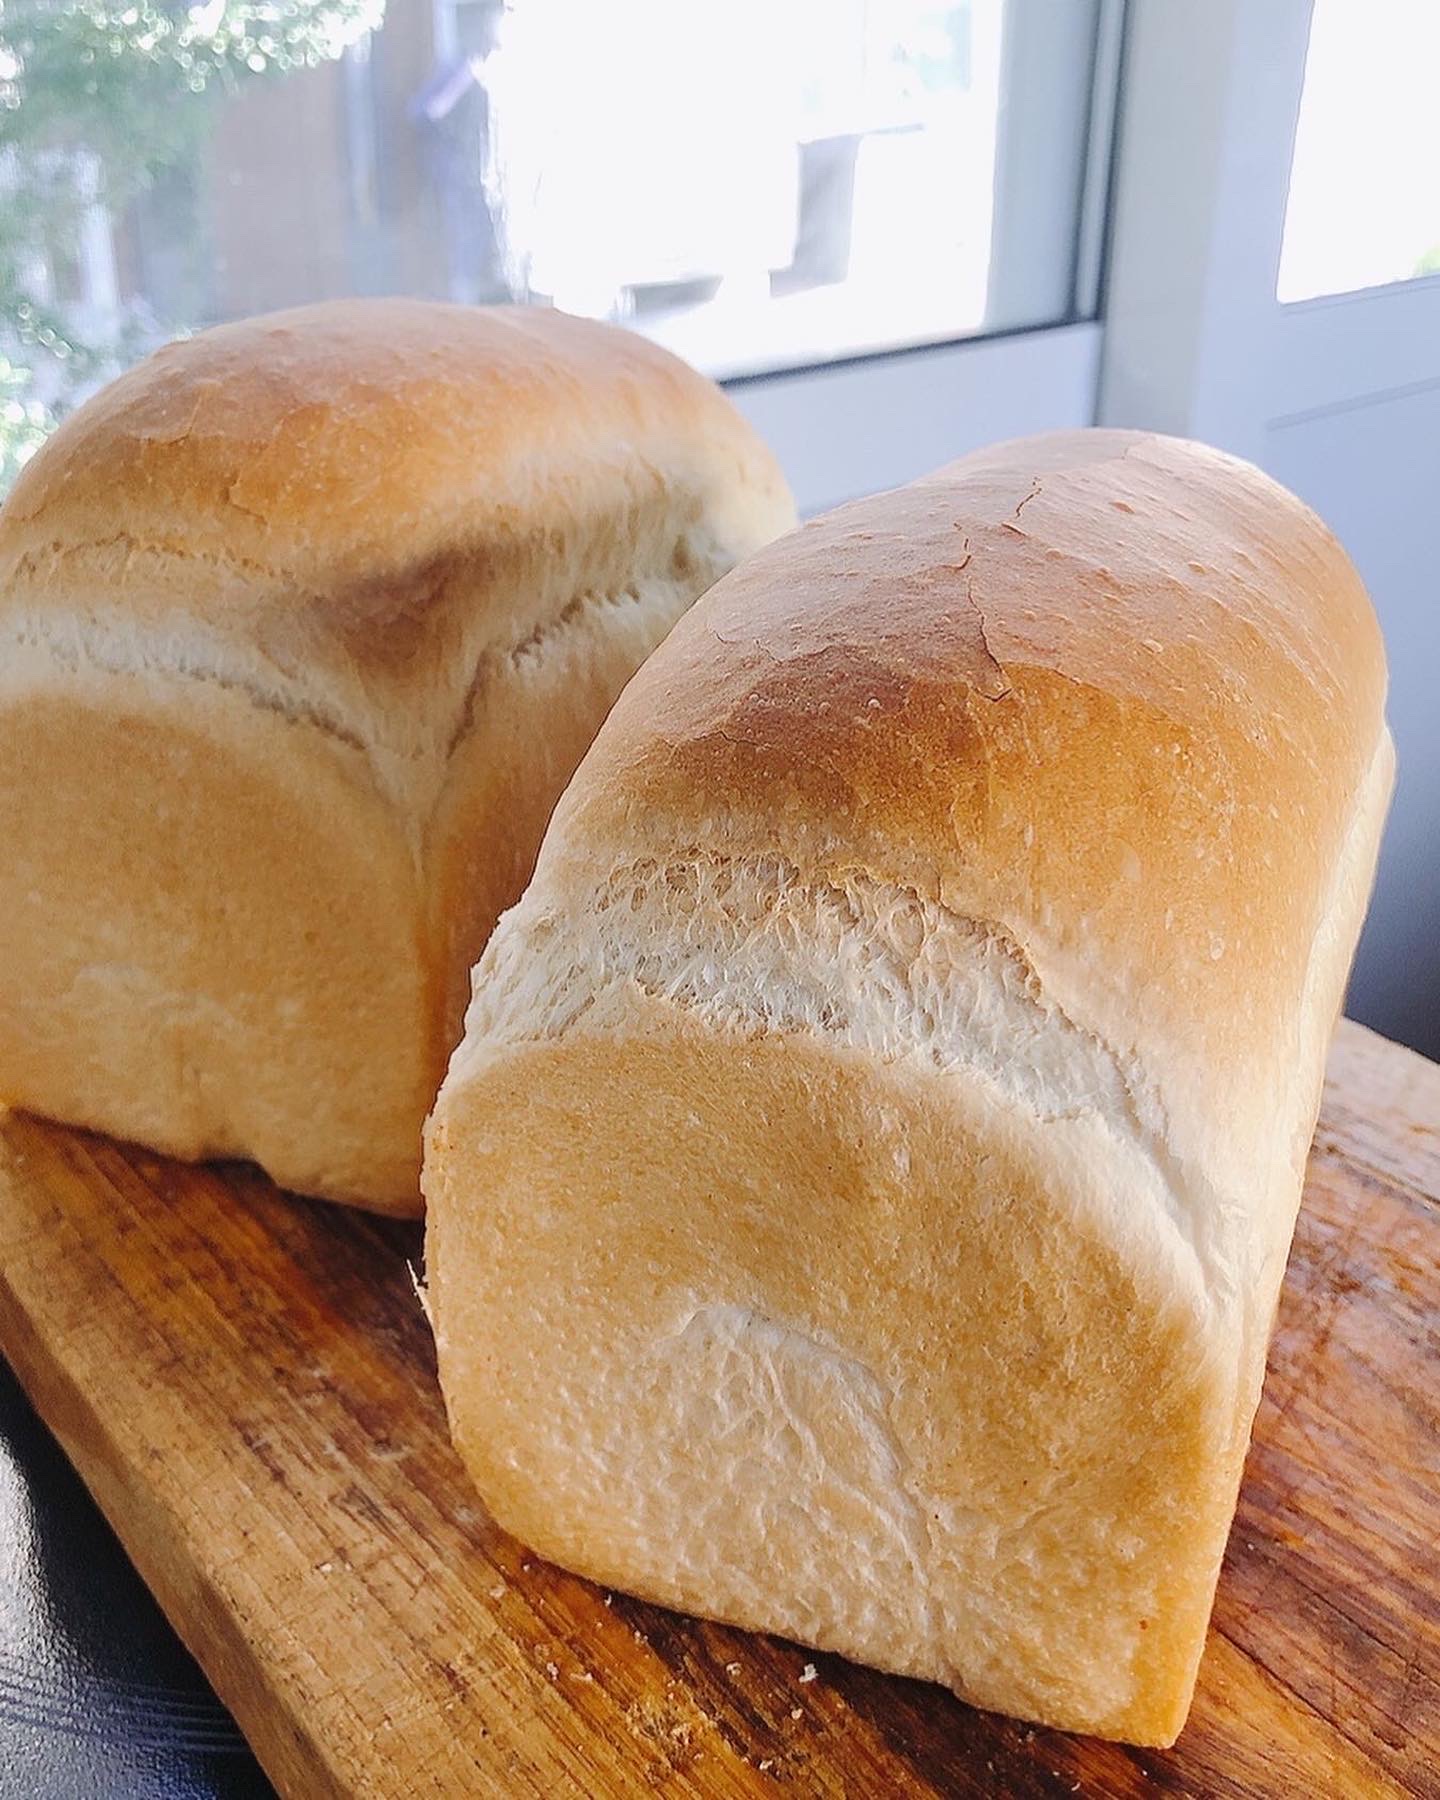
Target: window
x,y
759,184
1364,204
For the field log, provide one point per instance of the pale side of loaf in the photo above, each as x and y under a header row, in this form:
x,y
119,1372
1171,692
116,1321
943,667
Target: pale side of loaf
x,y
860,1199
304,624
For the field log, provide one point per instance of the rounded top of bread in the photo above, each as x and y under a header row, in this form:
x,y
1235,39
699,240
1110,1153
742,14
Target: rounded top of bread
x,y
320,453
1113,695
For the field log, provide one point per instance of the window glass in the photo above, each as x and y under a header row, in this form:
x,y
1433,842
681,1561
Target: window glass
x,y
1364,205
757,183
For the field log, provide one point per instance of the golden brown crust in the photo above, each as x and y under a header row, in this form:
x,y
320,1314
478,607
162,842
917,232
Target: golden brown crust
x,y
422,544
325,451
1115,691
209,931
702,1402
860,1198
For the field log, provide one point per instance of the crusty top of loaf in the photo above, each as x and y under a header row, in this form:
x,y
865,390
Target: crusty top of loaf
x,y
1115,695
342,461
365,515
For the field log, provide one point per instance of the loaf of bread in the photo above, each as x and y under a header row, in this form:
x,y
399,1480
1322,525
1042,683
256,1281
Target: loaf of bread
x,y
304,625
860,1198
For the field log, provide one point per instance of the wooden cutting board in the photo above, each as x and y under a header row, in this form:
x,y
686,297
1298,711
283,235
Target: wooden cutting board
x,y
245,1381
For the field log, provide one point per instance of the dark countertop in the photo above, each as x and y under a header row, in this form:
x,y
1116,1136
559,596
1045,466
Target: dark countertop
x,y
98,1698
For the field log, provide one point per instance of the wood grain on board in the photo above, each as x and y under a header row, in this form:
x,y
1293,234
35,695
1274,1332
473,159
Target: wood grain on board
x,y
246,1383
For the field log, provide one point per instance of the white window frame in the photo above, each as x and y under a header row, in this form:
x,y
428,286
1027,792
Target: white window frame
x,y
849,428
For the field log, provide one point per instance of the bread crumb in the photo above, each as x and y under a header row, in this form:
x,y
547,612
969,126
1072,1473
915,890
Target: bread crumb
x,y
732,1669
797,1712
766,1765
609,1599
326,1567
809,1672
581,1675
526,1567
498,1591
420,1292
553,1670
639,1636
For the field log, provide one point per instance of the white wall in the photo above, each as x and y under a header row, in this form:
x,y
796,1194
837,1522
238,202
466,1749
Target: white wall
x,y
853,428
1372,469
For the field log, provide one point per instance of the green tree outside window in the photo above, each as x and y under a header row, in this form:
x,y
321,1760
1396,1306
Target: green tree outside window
x,y
99,102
